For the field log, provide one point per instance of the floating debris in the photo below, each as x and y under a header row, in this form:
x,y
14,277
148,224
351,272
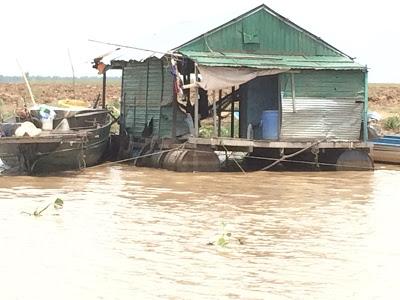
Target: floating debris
x,y
57,204
225,238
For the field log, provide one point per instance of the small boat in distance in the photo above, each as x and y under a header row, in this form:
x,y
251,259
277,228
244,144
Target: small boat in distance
x,y
386,149
71,139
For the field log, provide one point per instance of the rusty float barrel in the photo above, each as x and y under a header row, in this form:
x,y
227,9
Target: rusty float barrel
x,y
185,160
354,160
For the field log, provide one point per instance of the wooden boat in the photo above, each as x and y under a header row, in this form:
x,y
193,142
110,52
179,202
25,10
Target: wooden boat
x,y
79,139
386,149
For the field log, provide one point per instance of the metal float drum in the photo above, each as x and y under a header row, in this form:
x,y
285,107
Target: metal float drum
x,y
156,160
354,160
191,161
170,160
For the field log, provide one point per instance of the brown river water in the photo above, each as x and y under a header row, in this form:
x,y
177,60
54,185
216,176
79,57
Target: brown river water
x,y
138,233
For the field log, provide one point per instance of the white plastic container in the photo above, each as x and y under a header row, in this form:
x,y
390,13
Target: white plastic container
x,y
47,124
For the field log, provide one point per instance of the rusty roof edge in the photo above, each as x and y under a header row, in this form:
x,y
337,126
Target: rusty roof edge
x,y
316,68
285,67
120,63
266,56
280,62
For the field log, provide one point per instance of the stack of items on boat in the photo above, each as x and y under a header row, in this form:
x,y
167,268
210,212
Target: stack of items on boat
x,y
45,138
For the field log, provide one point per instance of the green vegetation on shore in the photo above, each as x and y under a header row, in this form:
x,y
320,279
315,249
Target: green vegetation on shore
x,y
392,123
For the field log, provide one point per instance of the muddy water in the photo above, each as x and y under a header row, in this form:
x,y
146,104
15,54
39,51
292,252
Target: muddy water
x,y
136,233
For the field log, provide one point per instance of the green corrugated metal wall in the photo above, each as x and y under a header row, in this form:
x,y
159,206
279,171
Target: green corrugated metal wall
x,y
146,86
325,84
166,122
329,104
148,90
262,33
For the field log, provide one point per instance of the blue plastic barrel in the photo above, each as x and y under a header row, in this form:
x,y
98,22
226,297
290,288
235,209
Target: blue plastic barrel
x,y
270,124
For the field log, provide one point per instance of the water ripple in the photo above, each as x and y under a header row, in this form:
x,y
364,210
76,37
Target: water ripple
x,y
130,233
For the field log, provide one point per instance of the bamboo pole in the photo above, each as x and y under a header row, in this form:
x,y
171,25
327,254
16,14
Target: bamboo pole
x,y
27,83
73,71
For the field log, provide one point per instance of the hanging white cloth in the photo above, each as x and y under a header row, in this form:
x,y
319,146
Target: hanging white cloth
x,y
216,78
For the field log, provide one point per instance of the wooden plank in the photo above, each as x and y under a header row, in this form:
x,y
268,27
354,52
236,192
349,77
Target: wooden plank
x,y
234,142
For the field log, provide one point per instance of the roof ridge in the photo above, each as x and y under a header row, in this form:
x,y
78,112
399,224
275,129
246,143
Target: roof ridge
x,y
274,13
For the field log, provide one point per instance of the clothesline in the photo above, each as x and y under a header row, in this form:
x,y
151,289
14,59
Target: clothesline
x,y
137,48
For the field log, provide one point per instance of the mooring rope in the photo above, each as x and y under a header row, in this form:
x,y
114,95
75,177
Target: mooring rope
x,y
307,162
275,160
137,157
291,155
236,162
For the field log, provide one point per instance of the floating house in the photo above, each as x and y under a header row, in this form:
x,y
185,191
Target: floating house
x,y
294,95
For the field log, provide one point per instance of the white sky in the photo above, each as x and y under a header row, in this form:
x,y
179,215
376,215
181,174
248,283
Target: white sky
x,y
39,33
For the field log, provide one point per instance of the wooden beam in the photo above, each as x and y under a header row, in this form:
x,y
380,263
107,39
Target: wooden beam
x,y
103,102
190,85
174,97
196,103
147,93
219,113
233,113
365,112
293,92
215,116
236,142
174,113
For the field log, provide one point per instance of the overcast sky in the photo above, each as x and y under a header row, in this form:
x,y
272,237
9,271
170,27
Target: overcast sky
x,y
39,33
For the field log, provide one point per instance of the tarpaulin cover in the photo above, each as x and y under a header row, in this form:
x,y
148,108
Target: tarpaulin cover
x,y
216,78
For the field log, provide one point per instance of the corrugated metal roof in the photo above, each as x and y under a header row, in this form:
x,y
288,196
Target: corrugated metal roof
x,y
218,59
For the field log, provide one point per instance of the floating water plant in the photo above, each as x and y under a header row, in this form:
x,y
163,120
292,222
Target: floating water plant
x,y
225,238
58,203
